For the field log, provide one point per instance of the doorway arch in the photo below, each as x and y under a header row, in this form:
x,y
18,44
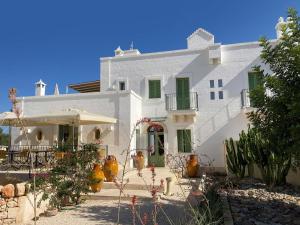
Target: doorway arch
x,y
156,145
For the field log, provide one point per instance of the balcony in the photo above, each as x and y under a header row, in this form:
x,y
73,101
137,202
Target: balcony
x,y
175,103
183,109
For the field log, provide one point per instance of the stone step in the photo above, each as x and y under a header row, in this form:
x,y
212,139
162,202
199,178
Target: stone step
x,y
113,194
129,186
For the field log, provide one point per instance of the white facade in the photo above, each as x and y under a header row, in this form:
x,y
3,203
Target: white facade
x,y
210,123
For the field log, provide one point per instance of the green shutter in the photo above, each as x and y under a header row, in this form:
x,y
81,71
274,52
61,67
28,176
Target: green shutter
x,y
187,141
180,141
254,80
154,89
182,93
184,140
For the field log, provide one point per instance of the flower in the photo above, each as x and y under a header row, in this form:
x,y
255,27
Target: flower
x,y
152,169
133,200
143,120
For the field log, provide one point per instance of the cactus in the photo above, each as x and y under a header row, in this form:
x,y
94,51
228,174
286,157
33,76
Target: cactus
x,y
244,145
273,165
235,159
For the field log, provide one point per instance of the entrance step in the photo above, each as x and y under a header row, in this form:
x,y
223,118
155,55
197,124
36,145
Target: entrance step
x,y
129,186
113,194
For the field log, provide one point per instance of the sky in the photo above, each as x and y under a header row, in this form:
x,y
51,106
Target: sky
x,y
61,41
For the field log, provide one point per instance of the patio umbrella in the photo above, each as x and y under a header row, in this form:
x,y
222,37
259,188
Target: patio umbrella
x,y
70,116
63,117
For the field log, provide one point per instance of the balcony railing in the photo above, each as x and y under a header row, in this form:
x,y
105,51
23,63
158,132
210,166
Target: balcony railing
x,y
175,102
245,97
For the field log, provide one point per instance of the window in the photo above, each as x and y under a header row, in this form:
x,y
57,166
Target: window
x,y
97,134
212,83
254,80
220,83
184,140
122,86
212,95
154,89
39,135
220,94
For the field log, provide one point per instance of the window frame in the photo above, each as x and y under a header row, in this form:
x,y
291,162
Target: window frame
x,y
154,95
221,93
119,85
212,95
211,83
220,83
184,145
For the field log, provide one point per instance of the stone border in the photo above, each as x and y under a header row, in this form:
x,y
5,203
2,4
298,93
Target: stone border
x,y
228,220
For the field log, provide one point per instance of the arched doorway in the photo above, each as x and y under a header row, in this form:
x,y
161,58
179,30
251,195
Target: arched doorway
x,y
156,153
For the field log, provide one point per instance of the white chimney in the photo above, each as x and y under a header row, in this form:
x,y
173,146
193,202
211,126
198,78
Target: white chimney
x,y
56,90
119,51
40,88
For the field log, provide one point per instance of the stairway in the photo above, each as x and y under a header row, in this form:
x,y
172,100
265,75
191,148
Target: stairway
x,y
140,186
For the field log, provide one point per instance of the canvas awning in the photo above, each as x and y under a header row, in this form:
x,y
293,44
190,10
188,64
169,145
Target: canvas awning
x,y
63,117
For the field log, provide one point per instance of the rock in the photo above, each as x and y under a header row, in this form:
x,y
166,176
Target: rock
x,y
8,191
3,215
296,221
9,221
235,209
250,193
260,223
20,189
12,212
12,204
2,202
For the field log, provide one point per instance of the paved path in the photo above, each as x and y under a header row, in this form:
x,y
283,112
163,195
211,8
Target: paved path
x,y
102,211
96,212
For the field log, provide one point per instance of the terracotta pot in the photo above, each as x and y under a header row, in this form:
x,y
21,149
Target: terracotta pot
x,y
192,166
59,155
110,168
97,178
139,160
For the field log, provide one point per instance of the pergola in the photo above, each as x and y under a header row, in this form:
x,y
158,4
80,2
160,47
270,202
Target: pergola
x,y
73,117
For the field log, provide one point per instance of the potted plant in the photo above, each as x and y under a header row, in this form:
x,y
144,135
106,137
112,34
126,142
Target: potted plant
x,y
192,165
110,168
139,160
96,178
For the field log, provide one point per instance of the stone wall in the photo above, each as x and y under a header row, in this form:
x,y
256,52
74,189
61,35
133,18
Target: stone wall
x,y
16,204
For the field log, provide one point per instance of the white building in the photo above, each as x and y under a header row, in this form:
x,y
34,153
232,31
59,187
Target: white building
x,y
198,95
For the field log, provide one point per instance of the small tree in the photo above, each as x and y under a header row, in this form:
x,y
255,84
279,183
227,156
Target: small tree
x,y
277,99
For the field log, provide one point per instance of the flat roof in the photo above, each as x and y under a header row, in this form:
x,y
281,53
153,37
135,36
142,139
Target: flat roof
x,y
85,87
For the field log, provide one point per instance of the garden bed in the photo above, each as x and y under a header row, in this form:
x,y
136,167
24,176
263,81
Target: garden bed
x,y
253,203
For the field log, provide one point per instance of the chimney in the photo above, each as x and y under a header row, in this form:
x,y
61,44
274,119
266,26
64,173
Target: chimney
x,y
56,90
40,88
119,51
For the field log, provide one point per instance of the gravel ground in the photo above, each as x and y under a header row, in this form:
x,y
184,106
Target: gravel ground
x,y
253,203
95,212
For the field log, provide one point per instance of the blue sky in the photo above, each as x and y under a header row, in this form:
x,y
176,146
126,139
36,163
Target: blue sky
x,y
61,41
